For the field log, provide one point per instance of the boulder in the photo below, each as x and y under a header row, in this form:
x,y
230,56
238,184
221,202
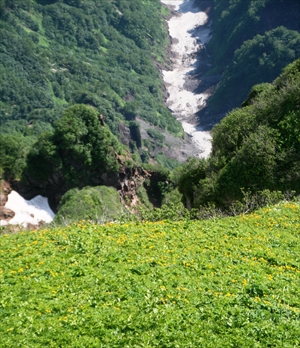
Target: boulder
x,y
6,214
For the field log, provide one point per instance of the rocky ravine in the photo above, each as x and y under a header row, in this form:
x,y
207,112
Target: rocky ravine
x,y
32,213
189,31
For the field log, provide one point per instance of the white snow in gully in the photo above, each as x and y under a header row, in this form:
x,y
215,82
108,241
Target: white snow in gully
x,y
189,33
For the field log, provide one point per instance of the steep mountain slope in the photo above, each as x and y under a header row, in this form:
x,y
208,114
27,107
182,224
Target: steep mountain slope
x,y
255,147
252,41
105,54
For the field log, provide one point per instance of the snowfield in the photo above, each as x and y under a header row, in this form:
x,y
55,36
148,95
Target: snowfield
x,y
189,34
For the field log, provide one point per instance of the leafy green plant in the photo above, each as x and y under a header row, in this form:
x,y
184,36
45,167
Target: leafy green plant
x,y
222,282
97,204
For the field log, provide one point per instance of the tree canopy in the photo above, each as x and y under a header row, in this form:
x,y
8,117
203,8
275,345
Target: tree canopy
x,y
252,41
79,151
255,147
58,53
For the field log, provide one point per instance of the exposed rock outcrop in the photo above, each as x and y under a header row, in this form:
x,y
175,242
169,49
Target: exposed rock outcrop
x,y
130,180
6,214
5,190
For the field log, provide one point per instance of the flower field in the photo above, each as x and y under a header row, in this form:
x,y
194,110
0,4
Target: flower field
x,y
231,282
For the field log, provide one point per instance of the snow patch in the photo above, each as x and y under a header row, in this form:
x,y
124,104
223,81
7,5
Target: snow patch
x,y
26,212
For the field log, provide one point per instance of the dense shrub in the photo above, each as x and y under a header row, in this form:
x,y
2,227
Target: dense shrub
x,y
255,147
79,152
97,204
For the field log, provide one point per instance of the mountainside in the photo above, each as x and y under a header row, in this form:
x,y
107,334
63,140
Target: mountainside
x,y
82,101
252,41
55,54
255,147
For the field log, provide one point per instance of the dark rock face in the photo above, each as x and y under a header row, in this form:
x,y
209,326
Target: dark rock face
x,y
125,134
3,199
6,214
5,190
129,181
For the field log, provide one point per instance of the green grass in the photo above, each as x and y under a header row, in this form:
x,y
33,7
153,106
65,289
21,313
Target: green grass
x,y
43,41
230,282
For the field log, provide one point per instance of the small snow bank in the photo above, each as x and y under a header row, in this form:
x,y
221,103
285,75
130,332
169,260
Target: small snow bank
x,y
28,212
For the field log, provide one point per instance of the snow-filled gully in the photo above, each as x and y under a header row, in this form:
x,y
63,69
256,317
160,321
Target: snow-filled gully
x,y
189,34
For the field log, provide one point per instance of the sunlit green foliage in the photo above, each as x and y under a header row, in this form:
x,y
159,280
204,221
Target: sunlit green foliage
x,y
220,283
260,142
79,151
255,147
101,53
98,204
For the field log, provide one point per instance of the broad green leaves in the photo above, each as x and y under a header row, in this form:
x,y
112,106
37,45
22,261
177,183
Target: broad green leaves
x,y
224,282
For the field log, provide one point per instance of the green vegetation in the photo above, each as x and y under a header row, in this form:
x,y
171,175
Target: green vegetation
x,y
252,41
218,283
156,135
99,203
13,153
73,71
166,162
79,151
233,23
55,54
254,148
256,61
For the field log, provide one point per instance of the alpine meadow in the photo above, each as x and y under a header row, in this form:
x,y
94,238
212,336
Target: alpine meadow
x,y
163,140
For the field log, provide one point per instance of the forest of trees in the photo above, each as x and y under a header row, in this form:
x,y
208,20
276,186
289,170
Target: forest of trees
x,y
73,71
55,54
